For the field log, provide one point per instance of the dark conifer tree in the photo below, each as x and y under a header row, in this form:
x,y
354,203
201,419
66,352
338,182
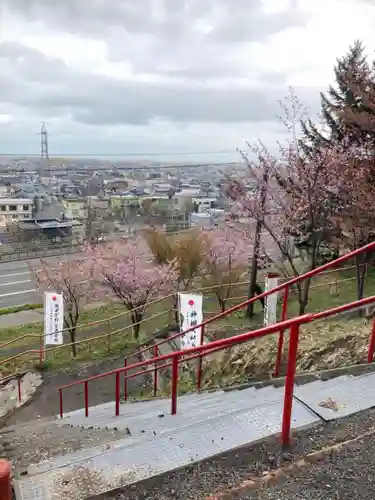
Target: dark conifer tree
x,y
352,68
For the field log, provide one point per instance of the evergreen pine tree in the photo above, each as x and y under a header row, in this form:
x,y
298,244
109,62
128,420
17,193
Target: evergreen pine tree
x,y
352,67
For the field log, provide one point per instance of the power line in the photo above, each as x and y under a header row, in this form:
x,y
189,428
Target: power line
x,y
109,155
133,168
94,168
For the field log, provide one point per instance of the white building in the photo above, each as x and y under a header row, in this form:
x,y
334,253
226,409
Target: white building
x,y
15,209
204,203
201,220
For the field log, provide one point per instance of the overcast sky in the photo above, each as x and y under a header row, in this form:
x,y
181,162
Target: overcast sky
x,y
165,76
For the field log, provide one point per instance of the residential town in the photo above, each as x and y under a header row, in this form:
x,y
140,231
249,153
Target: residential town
x,y
89,200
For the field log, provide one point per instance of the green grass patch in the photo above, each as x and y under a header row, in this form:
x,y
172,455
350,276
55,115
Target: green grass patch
x,y
16,309
327,291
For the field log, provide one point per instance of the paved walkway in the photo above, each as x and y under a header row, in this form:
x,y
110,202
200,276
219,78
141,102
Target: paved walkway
x,y
34,316
21,318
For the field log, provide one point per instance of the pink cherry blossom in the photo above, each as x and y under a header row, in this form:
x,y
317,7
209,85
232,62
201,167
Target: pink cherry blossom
x,y
129,271
301,197
227,252
74,280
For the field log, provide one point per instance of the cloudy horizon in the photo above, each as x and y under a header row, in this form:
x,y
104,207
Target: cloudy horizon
x,y
165,78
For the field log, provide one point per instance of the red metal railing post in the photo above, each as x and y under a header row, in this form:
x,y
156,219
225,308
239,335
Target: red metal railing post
x,y
5,480
371,346
125,381
86,390
19,390
289,384
174,385
156,354
61,403
280,343
200,362
117,394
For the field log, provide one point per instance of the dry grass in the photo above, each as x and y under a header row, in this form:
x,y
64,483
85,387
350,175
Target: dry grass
x,y
327,344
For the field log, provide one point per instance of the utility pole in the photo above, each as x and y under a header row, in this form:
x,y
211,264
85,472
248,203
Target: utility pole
x,y
257,238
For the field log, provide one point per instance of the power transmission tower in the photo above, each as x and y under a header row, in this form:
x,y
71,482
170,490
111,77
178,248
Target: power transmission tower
x,y
44,142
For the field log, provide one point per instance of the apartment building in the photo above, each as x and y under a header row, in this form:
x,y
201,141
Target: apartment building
x,y
75,208
15,209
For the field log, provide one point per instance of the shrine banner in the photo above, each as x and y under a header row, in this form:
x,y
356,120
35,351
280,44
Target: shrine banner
x,y
191,314
53,318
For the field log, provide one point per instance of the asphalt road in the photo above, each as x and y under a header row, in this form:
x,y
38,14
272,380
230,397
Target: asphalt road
x,y
17,282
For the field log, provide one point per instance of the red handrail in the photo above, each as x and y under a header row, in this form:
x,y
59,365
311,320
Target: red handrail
x,y
224,343
283,286
203,350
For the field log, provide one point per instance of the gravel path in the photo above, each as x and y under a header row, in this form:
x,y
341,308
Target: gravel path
x,y
249,473
31,443
31,434
346,476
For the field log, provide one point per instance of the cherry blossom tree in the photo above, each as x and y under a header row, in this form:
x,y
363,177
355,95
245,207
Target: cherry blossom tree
x,y
302,196
129,271
225,259
356,218
74,280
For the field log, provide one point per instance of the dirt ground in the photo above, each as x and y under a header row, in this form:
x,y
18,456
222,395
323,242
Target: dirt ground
x,y
327,344
45,402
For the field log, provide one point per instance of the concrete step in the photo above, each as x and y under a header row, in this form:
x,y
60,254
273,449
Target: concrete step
x,y
143,458
334,400
200,405
206,425
138,410
318,384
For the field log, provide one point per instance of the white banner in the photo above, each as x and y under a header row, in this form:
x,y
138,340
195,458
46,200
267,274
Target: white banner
x,y
270,302
53,318
191,310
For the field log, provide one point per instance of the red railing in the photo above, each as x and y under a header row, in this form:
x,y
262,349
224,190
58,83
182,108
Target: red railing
x,y
284,287
203,350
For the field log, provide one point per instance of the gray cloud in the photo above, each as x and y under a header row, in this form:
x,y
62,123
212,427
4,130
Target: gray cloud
x,y
99,100
193,49
165,35
231,20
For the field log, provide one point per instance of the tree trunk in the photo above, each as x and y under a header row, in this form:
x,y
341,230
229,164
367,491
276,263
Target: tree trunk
x,y
222,303
176,311
72,333
301,300
137,317
249,313
303,295
360,273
